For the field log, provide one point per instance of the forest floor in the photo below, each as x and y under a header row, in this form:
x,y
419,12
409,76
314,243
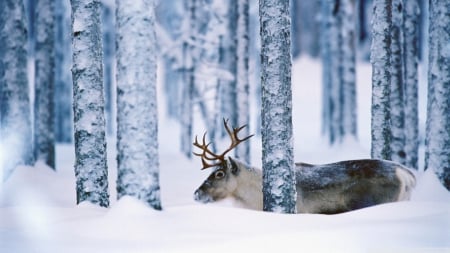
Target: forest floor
x,y
38,211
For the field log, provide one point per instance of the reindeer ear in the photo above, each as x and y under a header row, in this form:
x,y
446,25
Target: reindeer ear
x,y
233,165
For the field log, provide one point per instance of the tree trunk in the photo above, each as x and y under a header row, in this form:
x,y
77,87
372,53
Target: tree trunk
x,y
437,149
279,192
44,120
137,115
242,84
381,79
411,58
63,78
397,85
88,104
348,62
15,116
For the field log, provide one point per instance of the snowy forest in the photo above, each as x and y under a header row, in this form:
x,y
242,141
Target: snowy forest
x,y
113,113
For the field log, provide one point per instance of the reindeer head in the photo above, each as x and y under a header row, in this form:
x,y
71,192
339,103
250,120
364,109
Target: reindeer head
x,y
222,181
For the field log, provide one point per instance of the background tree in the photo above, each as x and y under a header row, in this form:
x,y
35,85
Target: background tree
x,y
44,122
108,26
63,78
437,149
411,23
397,84
137,132
338,76
279,192
381,79
242,78
15,116
88,103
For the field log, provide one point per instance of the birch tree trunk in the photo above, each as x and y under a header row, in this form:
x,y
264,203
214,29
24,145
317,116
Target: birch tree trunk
x,y
137,115
348,62
381,79
44,120
411,58
279,192
15,116
88,104
437,149
63,78
397,85
242,79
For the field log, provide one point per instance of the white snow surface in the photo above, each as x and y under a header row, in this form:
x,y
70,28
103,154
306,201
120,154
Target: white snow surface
x,y
38,211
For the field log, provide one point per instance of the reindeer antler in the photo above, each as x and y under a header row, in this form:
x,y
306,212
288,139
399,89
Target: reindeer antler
x,y
208,155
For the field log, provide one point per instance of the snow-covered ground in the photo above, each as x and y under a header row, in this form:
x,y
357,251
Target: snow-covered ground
x,y
38,211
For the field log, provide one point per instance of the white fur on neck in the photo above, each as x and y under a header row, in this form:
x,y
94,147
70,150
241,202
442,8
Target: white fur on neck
x,y
248,194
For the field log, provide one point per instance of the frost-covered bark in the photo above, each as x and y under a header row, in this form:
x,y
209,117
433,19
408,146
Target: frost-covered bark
x,y
437,150
137,115
411,57
397,85
63,77
15,121
348,73
88,104
381,79
279,192
44,122
242,79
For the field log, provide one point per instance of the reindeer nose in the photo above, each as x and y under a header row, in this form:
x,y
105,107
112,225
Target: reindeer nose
x,y
197,195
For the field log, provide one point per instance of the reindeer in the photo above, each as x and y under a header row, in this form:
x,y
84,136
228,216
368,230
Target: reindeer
x,y
327,189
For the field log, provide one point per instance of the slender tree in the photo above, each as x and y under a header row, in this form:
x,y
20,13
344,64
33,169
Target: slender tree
x,y
397,84
339,77
279,192
63,78
381,79
348,68
88,103
410,59
437,149
137,116
108,19
44,120
189,65
15,121
242,80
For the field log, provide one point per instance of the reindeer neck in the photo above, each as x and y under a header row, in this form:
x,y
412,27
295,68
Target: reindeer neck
x,y
249,190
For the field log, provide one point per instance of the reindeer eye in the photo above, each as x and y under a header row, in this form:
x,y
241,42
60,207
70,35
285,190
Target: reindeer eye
x,y
219,174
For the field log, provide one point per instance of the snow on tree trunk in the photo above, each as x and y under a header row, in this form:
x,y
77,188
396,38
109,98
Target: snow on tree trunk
x,y
88,104
348,58
44,123
437,150
63,78
137,115
242,81
15,119
381,79
411,57
279,192
397,85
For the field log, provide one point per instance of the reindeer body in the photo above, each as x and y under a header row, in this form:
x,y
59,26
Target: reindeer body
x,y
329,188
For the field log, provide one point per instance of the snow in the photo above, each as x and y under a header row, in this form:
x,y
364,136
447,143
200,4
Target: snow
x,y
38,211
